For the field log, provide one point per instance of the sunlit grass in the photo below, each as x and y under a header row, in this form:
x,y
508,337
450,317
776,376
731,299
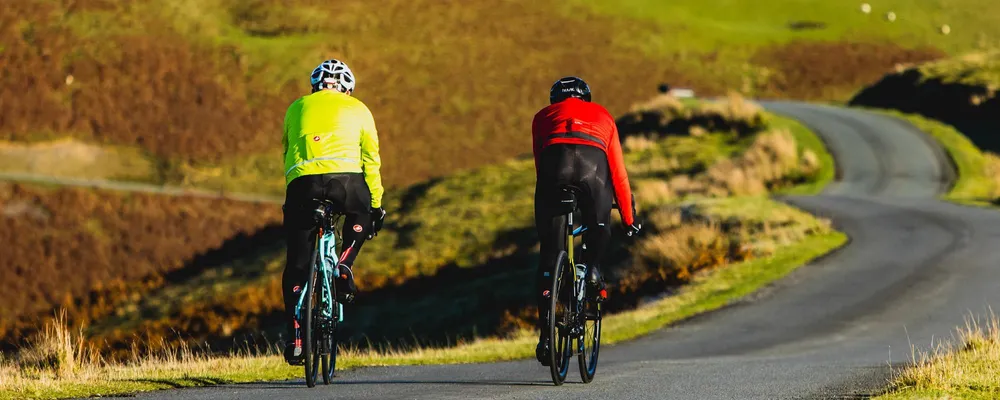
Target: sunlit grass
x,y
968,368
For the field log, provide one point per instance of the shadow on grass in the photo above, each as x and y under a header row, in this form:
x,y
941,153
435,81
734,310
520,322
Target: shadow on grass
x,y
655,122
972,109
183,382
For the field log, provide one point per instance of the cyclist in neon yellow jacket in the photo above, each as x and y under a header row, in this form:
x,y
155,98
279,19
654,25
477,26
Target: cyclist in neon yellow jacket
x,y
331,152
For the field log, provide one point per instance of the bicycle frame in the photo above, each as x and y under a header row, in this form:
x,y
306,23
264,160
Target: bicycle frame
x,y
578,284
327,241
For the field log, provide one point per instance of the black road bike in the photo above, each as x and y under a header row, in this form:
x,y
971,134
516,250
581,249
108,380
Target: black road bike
x,y
574,320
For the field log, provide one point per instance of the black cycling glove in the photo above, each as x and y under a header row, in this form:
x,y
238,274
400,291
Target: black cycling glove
x,y
378,217
633,229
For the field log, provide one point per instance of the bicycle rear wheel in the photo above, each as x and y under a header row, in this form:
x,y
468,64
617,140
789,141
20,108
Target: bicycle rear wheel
x,y
590,342
560,319
309,344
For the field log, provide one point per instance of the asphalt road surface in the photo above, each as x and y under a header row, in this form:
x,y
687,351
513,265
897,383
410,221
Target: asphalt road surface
x,y
914,268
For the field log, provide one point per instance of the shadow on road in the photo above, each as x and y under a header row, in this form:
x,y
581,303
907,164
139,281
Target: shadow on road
x,y
299,384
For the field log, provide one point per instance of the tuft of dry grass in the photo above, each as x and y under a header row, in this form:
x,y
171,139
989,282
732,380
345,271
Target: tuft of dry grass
x,y
712,233
666,115
771,159
57,349
966,368
735,108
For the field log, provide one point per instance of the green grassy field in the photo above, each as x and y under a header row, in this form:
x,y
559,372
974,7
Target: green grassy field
x,y
721,23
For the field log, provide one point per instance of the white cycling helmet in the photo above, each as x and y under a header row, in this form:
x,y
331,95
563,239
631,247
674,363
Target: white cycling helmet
x,y
332,74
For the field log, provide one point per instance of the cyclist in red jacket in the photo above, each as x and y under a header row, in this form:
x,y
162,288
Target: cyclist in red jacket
x,y
576,145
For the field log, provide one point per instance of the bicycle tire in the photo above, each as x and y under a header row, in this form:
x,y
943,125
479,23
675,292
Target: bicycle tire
x,y
308,345
330,360
330,341
560,351
592,331
325,357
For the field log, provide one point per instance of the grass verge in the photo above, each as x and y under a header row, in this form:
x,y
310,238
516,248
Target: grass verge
x,y
808,141
708,291
969,371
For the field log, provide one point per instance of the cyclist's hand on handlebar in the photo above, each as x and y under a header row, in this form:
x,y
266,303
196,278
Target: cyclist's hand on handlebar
x,y
378,217
633,229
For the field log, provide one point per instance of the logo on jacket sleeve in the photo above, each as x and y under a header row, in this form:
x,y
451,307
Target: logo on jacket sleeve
x,y
358,228
316,138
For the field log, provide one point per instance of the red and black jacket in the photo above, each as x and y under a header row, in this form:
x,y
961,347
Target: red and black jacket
x,y
574,121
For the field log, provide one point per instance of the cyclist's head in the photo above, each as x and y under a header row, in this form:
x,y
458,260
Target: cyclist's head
x,y
567,87
333,75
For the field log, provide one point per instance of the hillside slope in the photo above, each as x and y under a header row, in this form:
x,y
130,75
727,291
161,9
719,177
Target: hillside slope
x,y
960,91
199,87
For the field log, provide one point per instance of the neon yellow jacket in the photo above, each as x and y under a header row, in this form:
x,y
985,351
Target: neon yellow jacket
x,y
331,132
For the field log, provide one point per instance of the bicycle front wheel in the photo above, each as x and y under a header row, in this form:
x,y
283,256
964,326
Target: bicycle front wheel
x,y
590,342
328,360
330,343
560,321
309,347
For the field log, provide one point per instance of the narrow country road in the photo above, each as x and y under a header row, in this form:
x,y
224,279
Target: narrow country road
x,y
915,266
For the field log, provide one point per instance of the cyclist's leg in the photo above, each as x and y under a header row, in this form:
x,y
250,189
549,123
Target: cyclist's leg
x,y
300,237
356,201
550,237
554,168
596,210
596,238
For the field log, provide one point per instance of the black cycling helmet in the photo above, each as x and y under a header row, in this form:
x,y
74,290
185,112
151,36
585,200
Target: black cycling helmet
x,y
567,87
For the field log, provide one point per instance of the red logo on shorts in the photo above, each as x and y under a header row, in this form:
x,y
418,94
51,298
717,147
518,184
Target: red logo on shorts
x,y
315,138
358,228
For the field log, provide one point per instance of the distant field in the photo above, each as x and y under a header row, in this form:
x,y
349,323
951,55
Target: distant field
x,y
200,86
703,25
